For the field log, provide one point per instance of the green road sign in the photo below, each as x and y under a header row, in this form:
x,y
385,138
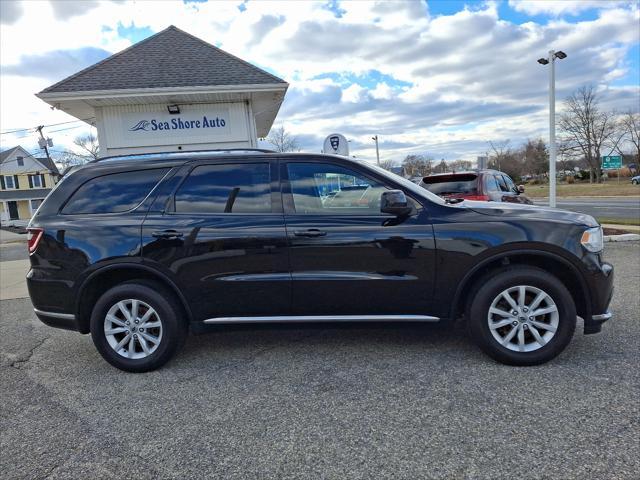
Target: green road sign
x,y
611,161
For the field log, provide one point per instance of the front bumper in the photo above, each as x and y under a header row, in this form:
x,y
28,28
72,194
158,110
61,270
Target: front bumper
x,y
595,324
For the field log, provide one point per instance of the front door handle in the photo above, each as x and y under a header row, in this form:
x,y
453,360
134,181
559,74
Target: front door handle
x,y
167,234
312,232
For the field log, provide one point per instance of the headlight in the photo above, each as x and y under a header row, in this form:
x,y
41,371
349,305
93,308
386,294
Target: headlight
x,y
592,239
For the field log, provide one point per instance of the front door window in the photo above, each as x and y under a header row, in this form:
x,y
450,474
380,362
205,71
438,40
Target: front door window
x,y
325,189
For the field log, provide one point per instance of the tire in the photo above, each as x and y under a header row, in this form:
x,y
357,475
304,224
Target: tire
x,y
165,333
554,329
634,182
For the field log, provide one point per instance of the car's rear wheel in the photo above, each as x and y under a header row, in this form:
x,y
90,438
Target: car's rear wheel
x,y
522,316
137,326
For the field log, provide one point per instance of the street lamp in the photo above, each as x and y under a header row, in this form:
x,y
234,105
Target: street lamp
x,y
375,138
552,120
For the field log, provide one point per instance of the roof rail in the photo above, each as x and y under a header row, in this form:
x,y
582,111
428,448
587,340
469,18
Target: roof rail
x,y
191,153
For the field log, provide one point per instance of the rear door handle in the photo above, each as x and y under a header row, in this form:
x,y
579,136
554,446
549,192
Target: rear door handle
x,y
167,234
312,232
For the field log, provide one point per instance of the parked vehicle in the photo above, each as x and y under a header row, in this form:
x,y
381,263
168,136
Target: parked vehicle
x,y
136,250
635,180
484,185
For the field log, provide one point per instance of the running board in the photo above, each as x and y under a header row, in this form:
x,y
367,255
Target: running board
x,y
323,318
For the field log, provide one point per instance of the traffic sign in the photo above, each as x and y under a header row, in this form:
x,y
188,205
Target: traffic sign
x,y
611,162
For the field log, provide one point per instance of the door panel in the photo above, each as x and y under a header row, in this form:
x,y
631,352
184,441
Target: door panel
x,y
349,263
225,263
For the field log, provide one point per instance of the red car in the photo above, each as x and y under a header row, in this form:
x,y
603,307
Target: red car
x,y
484,185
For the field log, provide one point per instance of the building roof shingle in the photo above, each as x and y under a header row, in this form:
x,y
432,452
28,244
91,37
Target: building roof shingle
x,y
49,164
170,58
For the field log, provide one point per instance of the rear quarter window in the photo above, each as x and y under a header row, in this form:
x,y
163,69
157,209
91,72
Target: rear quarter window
x,y
113,193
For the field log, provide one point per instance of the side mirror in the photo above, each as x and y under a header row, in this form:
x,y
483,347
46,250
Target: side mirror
x,y
520,188
395,203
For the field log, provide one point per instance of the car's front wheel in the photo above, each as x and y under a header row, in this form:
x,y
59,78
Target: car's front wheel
x,y
137,326
522,316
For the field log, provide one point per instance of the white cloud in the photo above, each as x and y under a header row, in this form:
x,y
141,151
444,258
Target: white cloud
x,y
560,7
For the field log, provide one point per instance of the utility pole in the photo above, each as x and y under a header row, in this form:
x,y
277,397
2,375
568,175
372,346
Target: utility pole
x,y
375,138
43,141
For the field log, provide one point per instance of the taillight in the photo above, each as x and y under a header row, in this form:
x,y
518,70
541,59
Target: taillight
x,y
34,236
480,198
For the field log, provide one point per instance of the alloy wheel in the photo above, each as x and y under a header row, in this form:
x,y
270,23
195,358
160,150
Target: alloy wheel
x,y
133,329
523,318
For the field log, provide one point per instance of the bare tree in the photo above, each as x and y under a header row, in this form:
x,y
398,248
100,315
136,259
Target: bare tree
x,y
630,127
282,140
387,164
88,145
442,167
417,165
585,128
460,165
501,150
505,158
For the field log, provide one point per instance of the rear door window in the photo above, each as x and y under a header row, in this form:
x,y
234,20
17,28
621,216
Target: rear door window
x,y
502,183
492,184
510,185
226,188
113,193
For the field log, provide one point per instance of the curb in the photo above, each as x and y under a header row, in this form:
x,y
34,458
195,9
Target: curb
x,y
626,237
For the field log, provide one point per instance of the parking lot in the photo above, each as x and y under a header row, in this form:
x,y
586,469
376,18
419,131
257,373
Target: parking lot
x,y
324,401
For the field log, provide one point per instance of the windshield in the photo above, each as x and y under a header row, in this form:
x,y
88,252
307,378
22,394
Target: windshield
x,y
409,185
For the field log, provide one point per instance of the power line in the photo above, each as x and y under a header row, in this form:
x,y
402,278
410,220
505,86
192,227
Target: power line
x,y
50,125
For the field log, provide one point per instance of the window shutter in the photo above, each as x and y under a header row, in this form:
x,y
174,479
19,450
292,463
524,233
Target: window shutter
x,y
16,181
44,184
30,181
2,182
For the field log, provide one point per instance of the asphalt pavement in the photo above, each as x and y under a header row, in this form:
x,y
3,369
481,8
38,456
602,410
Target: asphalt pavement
x,y
608,207
402,401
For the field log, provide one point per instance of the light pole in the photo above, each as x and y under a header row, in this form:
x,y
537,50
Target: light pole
x,y
552,120
375,138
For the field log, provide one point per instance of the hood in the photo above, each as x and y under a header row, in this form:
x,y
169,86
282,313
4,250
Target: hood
x,y
504,209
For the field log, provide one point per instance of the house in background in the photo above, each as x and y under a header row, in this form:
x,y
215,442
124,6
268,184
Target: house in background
x,y
24,183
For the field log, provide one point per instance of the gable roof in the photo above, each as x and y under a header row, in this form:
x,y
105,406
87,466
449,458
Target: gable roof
x,y
170,58
7,153
45,162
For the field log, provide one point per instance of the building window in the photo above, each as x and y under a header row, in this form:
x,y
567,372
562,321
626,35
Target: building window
x,y
37,181
8,181
35,204
20,161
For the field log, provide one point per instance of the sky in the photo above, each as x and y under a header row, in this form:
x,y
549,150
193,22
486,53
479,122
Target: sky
x,y
439,78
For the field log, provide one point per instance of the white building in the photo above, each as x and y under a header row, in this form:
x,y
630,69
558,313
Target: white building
x,y
171,92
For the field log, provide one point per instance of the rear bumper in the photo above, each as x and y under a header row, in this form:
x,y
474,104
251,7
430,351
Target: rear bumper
x,y
65,321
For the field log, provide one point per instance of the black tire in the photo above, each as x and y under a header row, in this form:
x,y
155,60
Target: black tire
x,y
170,313
488,289
634,182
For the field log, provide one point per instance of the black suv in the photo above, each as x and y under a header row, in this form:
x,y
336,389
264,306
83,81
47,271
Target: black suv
x,y
136,250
